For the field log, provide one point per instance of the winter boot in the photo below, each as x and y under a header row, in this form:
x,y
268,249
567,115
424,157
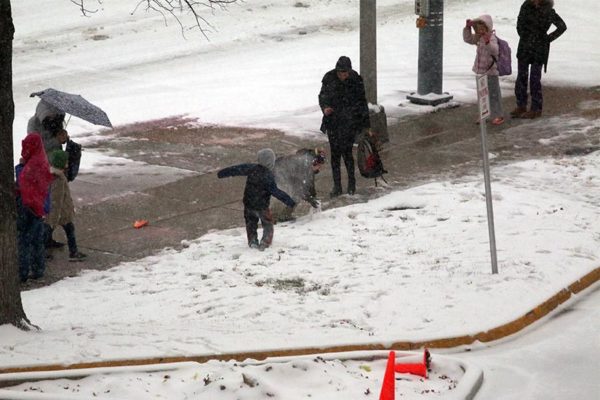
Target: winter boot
x,y
518,112
531,114
498,121
53,244
351,188
335,192
77,256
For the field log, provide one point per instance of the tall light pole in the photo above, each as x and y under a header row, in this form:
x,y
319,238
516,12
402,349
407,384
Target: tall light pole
x,y
368,48
368,66
431,53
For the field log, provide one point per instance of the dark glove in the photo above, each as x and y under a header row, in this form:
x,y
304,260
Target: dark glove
x,y
314,202
469,23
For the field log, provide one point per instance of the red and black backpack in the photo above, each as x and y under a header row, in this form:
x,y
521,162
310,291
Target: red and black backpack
x,y
368,159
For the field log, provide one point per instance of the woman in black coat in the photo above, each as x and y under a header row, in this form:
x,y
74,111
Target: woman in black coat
x,y
345,115
535,19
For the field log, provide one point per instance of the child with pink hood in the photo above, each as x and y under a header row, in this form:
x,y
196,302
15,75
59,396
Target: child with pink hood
x,y
480,32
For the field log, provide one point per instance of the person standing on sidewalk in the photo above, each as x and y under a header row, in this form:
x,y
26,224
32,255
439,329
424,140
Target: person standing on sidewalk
x,y
62,210
345,115
73,151
485,64
260,186
47,121
33,180
533,23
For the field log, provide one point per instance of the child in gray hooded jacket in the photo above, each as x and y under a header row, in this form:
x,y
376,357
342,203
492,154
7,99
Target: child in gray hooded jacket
x,y
260,186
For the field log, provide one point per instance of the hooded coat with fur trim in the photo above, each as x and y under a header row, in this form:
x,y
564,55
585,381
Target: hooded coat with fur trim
x,y
533,24
486,52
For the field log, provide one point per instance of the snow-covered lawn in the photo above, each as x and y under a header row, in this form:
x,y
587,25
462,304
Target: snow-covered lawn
x,y
412,265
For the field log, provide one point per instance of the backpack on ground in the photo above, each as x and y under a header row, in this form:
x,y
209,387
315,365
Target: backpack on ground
x,y
503,63
368,159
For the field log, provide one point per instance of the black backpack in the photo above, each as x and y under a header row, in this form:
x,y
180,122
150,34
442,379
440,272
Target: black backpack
x,y
368,159
74,151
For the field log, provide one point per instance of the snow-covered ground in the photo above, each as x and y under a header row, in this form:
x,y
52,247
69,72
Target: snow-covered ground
x,y
413,265
328,376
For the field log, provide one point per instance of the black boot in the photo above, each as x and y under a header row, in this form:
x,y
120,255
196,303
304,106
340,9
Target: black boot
x,y
351,183
351,188
335,192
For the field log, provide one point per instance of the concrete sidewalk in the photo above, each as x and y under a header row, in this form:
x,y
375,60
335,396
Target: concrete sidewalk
x,y
189,201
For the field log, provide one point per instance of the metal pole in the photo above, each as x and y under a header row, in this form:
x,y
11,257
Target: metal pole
x,y
431,50
368,48
483,99
431,55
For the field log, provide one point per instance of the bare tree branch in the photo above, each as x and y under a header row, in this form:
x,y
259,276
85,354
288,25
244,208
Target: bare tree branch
x,y
175,9
85,11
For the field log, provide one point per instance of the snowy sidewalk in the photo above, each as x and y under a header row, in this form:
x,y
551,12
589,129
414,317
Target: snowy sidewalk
x,y
410,266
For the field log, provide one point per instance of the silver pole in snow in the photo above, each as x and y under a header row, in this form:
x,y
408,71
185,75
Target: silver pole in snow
x,y
484,113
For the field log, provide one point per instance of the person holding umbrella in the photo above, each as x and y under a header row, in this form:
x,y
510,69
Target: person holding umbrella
x,y
49,118
47,121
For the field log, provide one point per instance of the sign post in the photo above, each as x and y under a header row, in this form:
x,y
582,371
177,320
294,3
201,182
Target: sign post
x,y
484,112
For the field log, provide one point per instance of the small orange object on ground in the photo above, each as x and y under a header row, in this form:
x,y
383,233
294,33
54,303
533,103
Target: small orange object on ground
x,y
140,223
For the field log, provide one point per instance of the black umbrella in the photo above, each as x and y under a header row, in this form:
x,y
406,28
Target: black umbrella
x,y
75,105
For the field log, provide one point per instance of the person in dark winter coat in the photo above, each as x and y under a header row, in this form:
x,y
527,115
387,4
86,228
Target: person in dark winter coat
x,y
33,179
260,186
47,121
345,115
535,19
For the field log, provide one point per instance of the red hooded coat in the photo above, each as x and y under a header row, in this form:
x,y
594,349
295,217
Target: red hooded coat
x,y
35,178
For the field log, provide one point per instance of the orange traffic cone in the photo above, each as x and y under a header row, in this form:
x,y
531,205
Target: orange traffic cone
x,y
388,388
415,369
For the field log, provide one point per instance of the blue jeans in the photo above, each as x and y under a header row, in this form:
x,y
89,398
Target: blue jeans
x,y
535,86
30,242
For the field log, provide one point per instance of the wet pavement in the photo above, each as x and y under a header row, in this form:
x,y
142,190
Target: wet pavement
x,y
183,199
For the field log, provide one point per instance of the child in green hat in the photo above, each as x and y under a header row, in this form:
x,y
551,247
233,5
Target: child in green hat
x,y
62,210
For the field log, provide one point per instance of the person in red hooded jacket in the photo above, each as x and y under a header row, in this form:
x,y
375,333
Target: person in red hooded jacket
x,y
33,179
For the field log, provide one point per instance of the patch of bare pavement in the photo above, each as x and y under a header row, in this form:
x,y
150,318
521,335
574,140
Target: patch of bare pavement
x,y
182,198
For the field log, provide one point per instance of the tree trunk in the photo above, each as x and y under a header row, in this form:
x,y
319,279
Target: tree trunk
x,y
11,308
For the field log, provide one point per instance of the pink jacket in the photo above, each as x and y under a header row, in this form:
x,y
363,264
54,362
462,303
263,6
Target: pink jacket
x,y
485,51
